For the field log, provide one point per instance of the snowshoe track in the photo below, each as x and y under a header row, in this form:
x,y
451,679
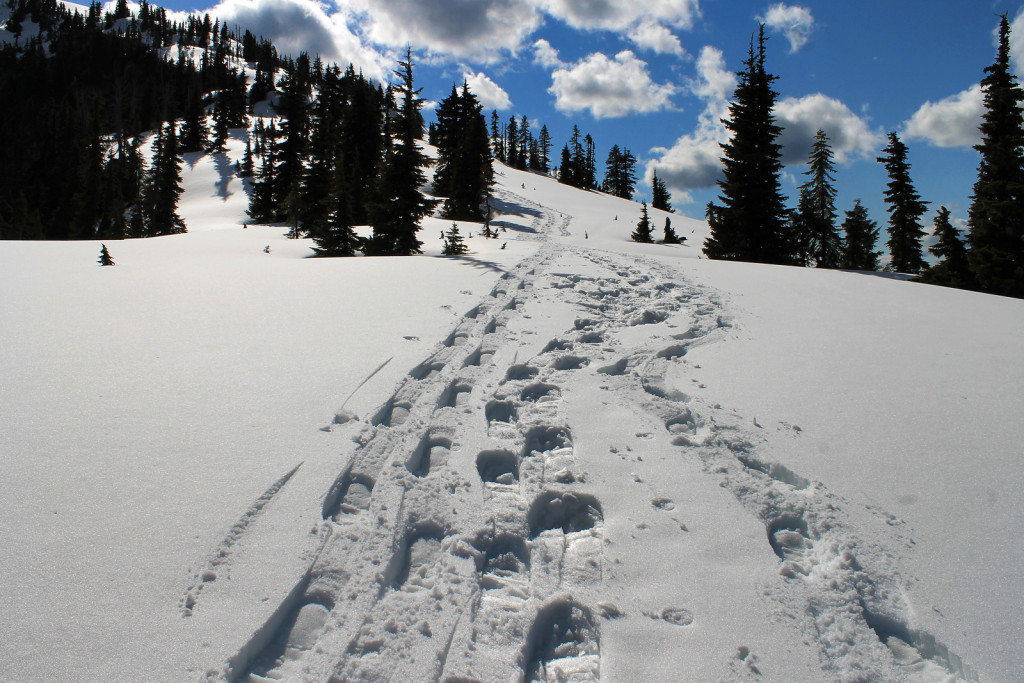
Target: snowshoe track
x,y
462,529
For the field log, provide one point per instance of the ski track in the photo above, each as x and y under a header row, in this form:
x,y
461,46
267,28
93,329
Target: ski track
x,y
461,543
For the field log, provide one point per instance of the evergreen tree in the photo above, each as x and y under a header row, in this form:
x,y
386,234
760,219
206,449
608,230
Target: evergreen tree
x,y
861,236
670,234
905,210
751,224
105,259
643,228
544,150
953,270
193,130
288,152
620,173
497,138
565,168
512,150
335,237
464,170
660,198
453,244
400,204
817,206
996,216
163,187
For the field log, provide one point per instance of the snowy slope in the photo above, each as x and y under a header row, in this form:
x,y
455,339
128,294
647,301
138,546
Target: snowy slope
x,y
575,453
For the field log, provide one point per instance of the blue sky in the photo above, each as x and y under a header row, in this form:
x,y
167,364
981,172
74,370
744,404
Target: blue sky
x,y
654,76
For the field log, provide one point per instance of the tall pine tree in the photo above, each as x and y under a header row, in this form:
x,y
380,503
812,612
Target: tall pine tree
x,y
996,216
751,224
905,210
660,197
818,207
400,203
163,187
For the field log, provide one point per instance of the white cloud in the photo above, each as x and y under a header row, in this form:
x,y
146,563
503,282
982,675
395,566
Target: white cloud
x,y
481,30
801,117
694,161
619,15
609,87
794,21
653,36
1017,43
490,94
546,55
951,122
295,26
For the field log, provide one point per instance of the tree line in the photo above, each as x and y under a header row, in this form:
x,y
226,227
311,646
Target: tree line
x,y
750,221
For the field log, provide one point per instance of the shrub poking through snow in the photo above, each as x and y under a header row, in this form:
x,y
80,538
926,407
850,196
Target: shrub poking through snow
x,y
105,259
453,244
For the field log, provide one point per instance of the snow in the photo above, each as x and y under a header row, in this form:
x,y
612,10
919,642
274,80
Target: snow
x,y
572,458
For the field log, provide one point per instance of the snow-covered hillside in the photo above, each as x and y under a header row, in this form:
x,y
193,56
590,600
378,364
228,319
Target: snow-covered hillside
x,y
571,458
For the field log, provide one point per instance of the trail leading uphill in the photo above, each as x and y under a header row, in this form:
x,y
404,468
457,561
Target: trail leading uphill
x,y
543,498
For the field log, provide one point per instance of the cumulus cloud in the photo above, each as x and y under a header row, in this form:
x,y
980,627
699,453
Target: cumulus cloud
x,y
482,30
801,117
694,161
297,26
618,15
653,36
490,94
792,20
951,122
609,87
1017,43
546,55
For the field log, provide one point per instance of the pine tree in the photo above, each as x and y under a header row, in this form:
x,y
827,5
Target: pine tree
x,y
670,234
861,236
953,270
453,244
565,168
620,173
497,138
643,228
751,223
660,198
163,186
905,210
818,208
544,150
400,204
105,259
335,237
193,129
464,170
996,216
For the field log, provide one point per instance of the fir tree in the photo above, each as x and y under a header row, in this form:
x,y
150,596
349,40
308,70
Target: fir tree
x,y
105,259
818,213
565,170
905,210
859,243
400,204
953,269
996,216
163,186
660,198
193,130
670,234
620,173
464,170
643,228
453,244
544,150
497,138
335,237
751,224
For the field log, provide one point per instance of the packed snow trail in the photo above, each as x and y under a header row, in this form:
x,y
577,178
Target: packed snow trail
x,y
466,539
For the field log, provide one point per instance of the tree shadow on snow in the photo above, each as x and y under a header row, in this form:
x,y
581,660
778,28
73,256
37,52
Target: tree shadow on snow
x,y
476,263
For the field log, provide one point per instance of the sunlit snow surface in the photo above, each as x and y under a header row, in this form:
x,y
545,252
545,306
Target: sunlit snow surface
x,y
574,458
